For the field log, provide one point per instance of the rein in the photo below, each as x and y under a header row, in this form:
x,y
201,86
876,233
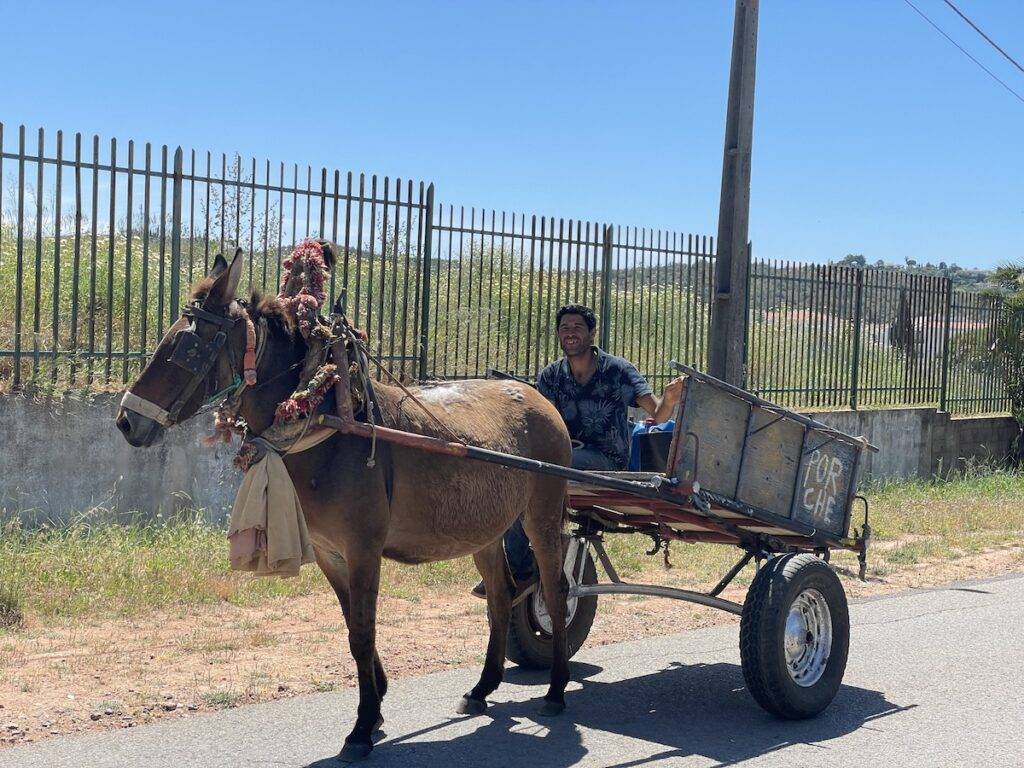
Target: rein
x,y
444,427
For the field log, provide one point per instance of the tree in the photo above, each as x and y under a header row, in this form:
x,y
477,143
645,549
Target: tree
x,y
1009,279
853,260
901,332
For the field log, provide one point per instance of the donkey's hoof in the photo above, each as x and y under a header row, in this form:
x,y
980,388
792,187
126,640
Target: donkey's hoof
x,y
354,751
551,708
378,725
471,706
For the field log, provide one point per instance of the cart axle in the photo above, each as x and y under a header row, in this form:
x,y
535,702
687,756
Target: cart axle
x,y
623,588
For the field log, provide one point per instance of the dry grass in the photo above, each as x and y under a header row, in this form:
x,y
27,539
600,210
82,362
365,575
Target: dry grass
x,y
102,566
11,615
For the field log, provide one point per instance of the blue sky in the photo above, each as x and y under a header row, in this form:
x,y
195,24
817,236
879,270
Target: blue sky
x,y
873,134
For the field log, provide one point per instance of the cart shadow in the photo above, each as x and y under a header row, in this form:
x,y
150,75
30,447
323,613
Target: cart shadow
x,y
700,710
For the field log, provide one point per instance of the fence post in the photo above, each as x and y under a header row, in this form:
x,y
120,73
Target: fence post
x,y
858,319
426,255
745,361
604,334
946,328
177,183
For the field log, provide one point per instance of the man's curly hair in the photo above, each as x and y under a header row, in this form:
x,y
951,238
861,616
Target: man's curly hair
x,y
577,309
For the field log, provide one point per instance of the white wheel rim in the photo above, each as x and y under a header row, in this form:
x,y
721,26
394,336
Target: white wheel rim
x,y
539,609
808,638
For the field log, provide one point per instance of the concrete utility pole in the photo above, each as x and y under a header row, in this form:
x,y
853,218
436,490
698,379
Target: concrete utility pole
x,y
727,340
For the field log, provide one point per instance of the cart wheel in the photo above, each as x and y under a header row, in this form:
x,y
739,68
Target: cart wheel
x,y
529,637
794,636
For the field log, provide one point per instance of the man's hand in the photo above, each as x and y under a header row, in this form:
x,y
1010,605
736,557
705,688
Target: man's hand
x,y
661,410
673,391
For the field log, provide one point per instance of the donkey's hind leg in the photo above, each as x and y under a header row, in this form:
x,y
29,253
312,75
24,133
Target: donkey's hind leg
x,y
543,524
490,561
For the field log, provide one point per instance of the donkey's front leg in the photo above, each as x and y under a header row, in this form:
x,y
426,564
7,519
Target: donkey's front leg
x,y
335,569
364,582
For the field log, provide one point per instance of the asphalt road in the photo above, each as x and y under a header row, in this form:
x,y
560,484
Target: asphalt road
x,y
935,679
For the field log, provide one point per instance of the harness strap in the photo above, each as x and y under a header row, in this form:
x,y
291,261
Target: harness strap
x,y
384,448
373,413
133,402
255,345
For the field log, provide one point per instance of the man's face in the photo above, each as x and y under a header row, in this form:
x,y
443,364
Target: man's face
x,y
573,335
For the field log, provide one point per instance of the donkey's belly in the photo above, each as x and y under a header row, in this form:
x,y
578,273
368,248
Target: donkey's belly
x,y
429,525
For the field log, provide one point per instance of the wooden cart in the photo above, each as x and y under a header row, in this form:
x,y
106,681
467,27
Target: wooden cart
x,y
741,471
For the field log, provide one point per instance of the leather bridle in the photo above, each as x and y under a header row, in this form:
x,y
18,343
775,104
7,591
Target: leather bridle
x,y
197,357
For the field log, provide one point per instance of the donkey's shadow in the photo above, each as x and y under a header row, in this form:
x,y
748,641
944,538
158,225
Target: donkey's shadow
x,y
685,710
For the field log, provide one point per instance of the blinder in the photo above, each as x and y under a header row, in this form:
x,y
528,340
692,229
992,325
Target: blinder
x,y
194,355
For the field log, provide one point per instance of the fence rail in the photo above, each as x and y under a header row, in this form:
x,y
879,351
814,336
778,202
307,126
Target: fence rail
x,y
100,240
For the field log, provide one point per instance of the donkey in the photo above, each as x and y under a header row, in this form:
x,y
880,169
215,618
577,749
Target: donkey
x,y
439,507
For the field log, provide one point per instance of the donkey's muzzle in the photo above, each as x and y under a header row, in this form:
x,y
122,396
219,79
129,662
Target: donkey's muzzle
x,y
140,431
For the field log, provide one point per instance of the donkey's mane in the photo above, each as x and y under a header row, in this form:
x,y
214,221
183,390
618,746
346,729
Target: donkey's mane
x,y
259,306
268,307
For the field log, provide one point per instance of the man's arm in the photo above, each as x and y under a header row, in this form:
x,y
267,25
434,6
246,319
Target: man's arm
x,y
661,410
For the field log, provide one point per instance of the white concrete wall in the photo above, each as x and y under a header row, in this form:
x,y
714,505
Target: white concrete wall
x,y
903,436
63,455
922,442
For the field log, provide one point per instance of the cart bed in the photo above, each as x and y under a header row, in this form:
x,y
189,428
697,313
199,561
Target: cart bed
x,y
614,508
739,468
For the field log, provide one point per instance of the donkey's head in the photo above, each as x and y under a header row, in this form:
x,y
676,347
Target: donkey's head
x,y
197,361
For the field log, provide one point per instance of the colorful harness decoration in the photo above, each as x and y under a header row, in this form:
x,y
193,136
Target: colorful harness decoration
x,y
302,285
302,295
305,402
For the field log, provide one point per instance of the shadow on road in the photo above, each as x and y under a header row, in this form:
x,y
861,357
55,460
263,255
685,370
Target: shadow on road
x,y
697,709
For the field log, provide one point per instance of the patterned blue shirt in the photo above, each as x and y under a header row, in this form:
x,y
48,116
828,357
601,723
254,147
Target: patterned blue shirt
x,y
595,412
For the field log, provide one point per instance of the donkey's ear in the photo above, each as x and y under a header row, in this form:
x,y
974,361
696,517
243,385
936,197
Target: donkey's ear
x,y
222,292
219,265
339,303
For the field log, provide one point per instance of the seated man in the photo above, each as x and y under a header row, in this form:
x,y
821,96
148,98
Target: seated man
x,y
592,390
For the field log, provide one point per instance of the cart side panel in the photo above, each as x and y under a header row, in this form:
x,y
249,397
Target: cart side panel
x,y
720,423
771,462
827,474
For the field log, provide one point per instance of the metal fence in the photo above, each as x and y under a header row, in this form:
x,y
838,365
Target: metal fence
x,y
834,336
501,277
99,242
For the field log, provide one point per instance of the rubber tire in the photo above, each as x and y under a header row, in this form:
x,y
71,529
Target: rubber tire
x,y
530,647
762,633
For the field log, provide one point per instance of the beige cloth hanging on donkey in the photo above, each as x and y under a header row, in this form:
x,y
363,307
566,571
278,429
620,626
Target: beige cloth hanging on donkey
x,y
267,533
